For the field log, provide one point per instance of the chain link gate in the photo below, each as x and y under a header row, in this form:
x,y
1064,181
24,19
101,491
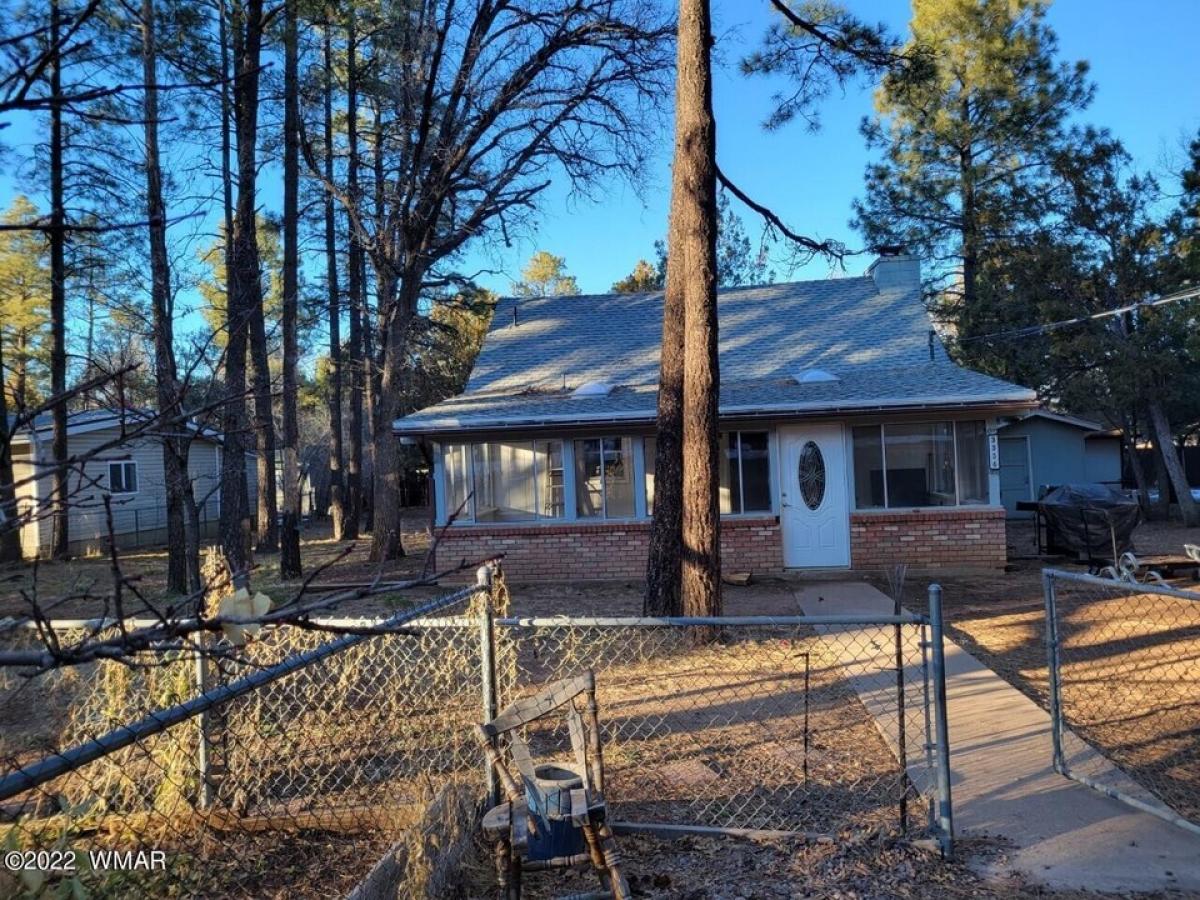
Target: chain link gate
x,y
818,726
1124,672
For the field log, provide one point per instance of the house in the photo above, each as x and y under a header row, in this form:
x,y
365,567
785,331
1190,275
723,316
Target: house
x,y
131,473
848,436
1042,448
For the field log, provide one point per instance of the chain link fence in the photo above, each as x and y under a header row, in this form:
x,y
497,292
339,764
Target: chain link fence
x,y
294,767
1125,680
745,724
291,767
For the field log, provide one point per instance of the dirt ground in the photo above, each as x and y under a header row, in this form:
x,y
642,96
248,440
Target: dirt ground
x,y
72,589
704,868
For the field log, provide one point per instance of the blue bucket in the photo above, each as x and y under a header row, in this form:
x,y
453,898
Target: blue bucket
x,y
550,804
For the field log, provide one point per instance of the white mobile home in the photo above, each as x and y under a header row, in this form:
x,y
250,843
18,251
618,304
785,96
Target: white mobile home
x,y
129,472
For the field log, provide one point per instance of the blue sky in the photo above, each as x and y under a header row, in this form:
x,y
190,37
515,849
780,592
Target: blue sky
x,y
1143,61
1147,93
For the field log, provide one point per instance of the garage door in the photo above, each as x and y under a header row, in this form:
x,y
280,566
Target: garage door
x,y
1014,475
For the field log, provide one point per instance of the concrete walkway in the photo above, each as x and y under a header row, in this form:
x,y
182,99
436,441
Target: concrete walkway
x,y
1062,834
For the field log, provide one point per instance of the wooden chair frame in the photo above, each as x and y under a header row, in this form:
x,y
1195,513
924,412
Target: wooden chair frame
x,y
511,823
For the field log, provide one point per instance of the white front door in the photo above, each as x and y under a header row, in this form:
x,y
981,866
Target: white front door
x,y
815,513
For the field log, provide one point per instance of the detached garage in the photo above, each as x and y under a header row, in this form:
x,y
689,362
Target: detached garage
x,y
1042,449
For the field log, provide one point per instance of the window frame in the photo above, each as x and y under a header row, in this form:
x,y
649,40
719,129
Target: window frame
x,y
887,507
442,484
633,471
137,478
770,508
638,457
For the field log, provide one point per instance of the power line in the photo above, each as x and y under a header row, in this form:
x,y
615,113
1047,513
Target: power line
x,y
1034,330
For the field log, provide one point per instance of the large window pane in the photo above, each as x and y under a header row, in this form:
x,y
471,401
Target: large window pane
x,y
604,478
756,471
550,478
920,464
649,447
618,478
589,479
868,467
504,482
972,462
730,488
458,476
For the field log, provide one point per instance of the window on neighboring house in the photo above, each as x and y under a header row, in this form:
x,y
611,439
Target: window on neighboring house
x,y
604,478
914,465
745,470
504,481
122,478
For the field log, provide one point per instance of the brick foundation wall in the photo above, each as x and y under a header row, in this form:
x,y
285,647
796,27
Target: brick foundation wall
x,y
929,538
605,550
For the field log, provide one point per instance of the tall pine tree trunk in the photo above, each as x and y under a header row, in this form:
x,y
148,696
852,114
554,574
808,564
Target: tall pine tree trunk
x,y
356,297
1129,442
969,228
337,510
1164,440
386,541
385,287
60,539
10,531
289,538
174,449
266,519
662,596
692,242
244,293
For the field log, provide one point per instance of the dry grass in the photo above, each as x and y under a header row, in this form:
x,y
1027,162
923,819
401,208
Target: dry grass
x,y
712,868
147,570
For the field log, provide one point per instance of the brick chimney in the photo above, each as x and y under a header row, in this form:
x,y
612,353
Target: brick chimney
x,y
895,269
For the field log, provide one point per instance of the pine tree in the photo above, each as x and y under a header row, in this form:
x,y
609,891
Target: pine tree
x,y
644,277
545,275
967,147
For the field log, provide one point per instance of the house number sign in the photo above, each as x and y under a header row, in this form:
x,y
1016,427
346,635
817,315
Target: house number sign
x,y
993,452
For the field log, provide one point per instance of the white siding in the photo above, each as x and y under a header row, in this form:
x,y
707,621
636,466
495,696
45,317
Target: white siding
x,y
139,516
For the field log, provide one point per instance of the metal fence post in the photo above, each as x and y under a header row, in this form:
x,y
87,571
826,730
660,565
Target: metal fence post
x,y
484,577
204,749
945,809
1052,662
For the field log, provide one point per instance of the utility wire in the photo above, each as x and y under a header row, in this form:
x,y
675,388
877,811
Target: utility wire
x,y
1034,330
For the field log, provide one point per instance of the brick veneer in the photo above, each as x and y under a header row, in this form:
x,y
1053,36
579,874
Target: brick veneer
x,y
931,538
606,550
971,537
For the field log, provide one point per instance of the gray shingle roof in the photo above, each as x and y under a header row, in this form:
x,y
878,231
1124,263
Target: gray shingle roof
x,y
877,344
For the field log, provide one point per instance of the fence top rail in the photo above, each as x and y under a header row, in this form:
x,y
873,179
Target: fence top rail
x,y
1128,586
717,621
330,621
905,618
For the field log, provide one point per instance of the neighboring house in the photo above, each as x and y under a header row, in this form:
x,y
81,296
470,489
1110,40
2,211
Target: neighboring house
x,y
130,473
1041,449
848,437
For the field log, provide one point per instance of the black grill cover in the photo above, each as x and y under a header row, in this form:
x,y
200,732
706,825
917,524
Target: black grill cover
x,y
1084,518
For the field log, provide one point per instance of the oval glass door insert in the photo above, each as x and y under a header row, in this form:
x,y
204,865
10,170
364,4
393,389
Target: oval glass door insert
x,y
812,475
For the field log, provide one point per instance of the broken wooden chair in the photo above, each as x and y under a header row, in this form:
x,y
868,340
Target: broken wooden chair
x,y
555,816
